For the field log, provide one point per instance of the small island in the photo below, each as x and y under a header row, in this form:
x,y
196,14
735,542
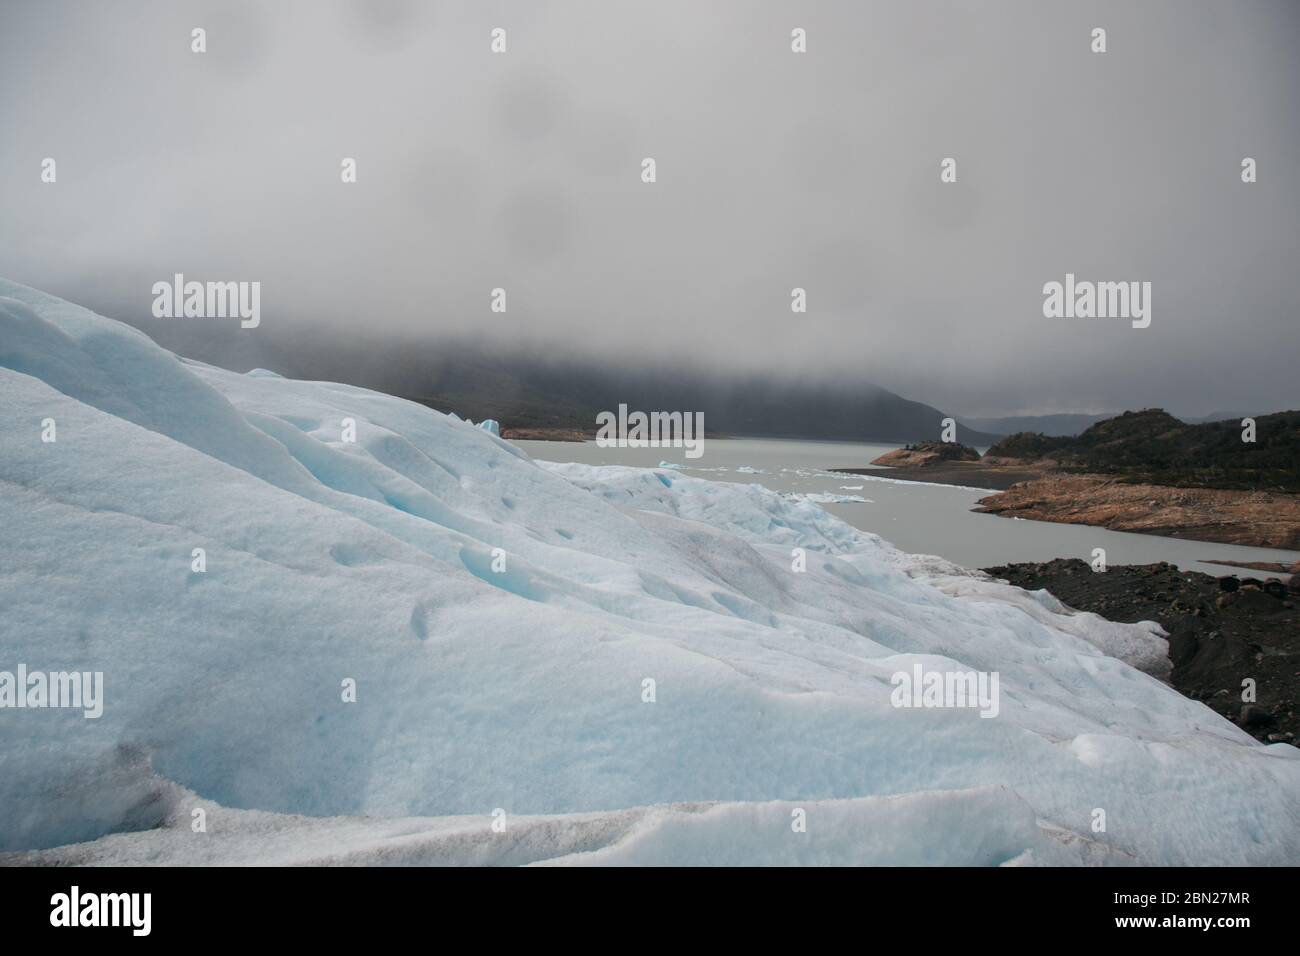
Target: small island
x,y
927,454
947,463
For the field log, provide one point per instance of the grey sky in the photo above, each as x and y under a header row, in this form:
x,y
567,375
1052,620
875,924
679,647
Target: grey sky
x,y
775,170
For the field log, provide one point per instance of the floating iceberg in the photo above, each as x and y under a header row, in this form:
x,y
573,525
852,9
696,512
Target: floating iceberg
x,y
826,497
370,642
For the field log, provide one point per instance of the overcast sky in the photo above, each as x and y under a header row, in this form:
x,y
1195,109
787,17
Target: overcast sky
x,y
775,170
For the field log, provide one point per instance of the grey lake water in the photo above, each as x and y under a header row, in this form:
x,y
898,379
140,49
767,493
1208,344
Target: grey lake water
x,y
922,518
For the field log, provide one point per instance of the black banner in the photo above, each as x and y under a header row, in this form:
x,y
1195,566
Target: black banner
x,y
332,906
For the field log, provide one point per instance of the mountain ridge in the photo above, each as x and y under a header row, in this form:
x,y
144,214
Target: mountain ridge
x,y
528,390
1153,447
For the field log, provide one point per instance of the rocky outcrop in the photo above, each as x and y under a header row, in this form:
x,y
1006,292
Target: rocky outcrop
x,y
1153,447
1221,632
1259,518
927,454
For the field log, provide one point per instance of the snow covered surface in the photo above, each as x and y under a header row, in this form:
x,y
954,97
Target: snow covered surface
x,y
521,686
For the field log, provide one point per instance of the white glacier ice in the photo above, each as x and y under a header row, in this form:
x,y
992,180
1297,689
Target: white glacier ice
x,y
500,619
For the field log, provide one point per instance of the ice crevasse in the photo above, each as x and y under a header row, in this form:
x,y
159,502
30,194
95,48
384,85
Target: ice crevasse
x,y
500,620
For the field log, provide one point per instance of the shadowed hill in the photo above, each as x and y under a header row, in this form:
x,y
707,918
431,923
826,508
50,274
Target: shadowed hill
x,y
533,388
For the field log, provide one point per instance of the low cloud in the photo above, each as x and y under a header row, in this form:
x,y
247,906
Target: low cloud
x,y
775,170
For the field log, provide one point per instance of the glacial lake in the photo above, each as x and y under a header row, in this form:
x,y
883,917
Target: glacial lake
x,y
921,518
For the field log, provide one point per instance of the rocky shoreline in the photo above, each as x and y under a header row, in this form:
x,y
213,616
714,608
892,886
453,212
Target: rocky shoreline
x,y
947,463
1222,631
1038,490
529,433
1259,519
962,474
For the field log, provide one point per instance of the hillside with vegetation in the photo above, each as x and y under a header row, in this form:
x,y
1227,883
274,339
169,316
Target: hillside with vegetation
x,y
1154,447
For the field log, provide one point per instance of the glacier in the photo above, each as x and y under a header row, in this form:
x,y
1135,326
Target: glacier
x,y
551,663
